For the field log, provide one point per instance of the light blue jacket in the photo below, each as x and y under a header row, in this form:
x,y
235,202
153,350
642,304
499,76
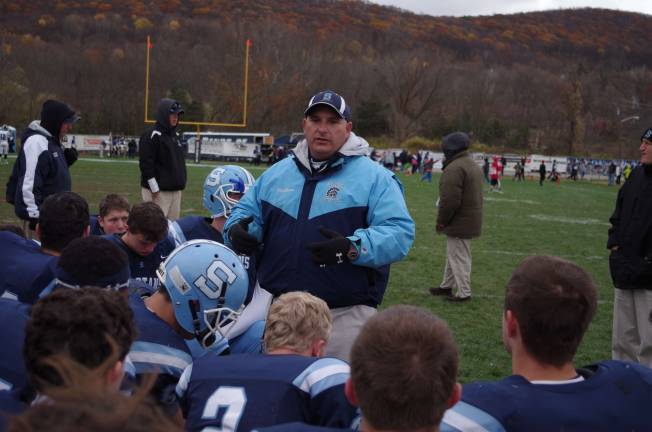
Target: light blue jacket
x,y
353,196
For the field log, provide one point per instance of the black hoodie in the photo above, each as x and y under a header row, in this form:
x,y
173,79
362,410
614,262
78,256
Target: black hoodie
x,y
162,160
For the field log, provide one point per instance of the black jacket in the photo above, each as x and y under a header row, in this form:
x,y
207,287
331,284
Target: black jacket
x,y
162,160
631,231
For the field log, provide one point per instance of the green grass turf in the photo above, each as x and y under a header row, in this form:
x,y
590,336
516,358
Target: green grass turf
x,y
570,221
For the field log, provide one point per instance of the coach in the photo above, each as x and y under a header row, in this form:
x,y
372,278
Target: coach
x,y
162,160
327,220
41,168
630,262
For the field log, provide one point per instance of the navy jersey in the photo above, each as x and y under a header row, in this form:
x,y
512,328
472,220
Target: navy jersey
x,y
25,270
95,228
158,349
200,228
241,392
615,396
10,404
13,319
144,268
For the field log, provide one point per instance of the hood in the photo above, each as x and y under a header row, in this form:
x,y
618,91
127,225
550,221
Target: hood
x,y
53,114
164,111
454,143
354,146
34,127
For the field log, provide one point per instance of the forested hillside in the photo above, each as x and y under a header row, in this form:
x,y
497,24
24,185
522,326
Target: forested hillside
x,y
571,81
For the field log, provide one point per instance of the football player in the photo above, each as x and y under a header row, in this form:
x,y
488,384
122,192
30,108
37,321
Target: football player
x,y
112,217
549,305
92,327
145,242
4,143
202,290
27,268
291,382
223,188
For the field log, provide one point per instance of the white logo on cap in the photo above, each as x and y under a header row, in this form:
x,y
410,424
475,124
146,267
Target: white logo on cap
x,y
327,96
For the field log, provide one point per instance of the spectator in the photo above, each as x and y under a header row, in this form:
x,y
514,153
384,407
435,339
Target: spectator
x,y
459,215
542,173
162,160
291,382
427,169
549,304
630,262
39,170
347,216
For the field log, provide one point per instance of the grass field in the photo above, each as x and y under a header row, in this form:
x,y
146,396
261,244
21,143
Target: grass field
x,y
570,221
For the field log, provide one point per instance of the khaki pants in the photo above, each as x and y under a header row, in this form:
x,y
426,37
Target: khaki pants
x,y
457,273
347,322
170,202
632,329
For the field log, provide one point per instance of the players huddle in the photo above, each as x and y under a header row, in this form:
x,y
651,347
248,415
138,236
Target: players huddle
x,y
129,321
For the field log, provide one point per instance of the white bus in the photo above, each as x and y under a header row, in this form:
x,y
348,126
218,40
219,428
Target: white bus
x,y
226,146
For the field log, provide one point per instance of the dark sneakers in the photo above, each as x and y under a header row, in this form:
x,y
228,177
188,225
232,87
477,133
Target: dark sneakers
x,y
456,299
439,291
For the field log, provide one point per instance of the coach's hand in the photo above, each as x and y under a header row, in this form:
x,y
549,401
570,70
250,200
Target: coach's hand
x,y
243,243
332,251
71,155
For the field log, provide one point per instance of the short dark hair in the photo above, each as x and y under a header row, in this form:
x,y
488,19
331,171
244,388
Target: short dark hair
x,y
63,217
113,202
85,324
90,259
404,368
13,228
554,301
148,219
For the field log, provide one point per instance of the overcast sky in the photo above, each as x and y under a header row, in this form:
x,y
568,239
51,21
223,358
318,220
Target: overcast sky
x,y
490,7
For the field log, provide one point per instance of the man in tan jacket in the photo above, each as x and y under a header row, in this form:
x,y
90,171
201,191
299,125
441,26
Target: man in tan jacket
x,y
459,215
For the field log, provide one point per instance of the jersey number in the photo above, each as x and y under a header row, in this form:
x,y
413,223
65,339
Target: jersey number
x,y
234,400
216,279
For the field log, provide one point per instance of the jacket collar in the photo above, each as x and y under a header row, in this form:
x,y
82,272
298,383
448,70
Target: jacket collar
x,y
456,156
354,146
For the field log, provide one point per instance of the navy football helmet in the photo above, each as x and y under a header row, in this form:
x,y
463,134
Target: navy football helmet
x,y
207,284
222,181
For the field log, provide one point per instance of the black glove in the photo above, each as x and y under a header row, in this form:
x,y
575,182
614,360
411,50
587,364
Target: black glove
x,y
332,251
32,223
71,155
243,243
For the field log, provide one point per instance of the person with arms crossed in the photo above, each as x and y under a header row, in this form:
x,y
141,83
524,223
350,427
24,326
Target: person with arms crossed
x,y
162,160
549,304
459,215
630,262
330,219
291,382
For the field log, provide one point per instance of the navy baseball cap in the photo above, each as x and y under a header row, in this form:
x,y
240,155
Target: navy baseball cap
x,y
647,135
331,99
